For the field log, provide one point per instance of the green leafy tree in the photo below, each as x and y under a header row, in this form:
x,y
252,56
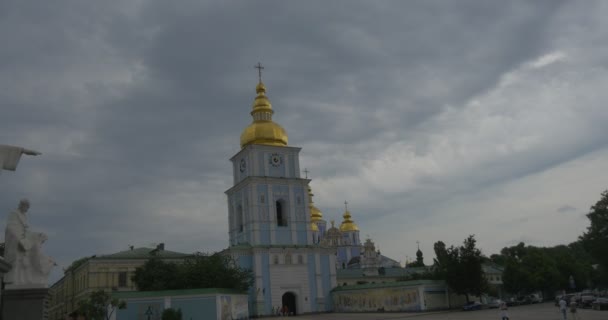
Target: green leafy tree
x,y
99,305
462,267
157,274
595,239
171,314
216,271
440,263
200,271
530,269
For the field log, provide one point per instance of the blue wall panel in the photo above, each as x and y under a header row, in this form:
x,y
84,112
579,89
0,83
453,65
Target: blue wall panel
x,y
325,275
301,237
264,228
266,281
195,308
137,309
292,166
245,262
283,235
312,280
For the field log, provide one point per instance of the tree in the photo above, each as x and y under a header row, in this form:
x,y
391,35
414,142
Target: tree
x,y
172,314
157,274
461,267
216,271
529,269
200,271
595,239
441,261
99,305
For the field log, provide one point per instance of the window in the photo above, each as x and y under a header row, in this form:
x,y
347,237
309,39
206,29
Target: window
x,y
300,259
239,218
281,214
262,199
276,259
122,279
288,258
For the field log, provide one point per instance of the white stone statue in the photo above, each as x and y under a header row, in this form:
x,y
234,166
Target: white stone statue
x,y
23,250
10,155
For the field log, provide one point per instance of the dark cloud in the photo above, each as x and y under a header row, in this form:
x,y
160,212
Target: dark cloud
x,y
400,107
566,209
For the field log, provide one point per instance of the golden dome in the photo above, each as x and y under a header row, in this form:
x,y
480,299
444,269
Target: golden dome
x,y
313,227
348,224
263,130
332,231
315,213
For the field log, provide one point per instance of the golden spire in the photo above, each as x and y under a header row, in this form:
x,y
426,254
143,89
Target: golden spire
x,y
315,213
263,130
348,224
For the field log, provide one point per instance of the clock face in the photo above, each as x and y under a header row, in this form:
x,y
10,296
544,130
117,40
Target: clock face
x,y
243,165
276,160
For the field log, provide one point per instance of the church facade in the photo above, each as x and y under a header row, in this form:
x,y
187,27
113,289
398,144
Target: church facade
x,y
277,232
270,228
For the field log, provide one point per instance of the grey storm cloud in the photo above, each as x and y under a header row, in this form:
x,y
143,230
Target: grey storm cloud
x,y
424,115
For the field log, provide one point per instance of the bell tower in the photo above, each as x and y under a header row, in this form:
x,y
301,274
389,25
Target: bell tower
x,y
269,221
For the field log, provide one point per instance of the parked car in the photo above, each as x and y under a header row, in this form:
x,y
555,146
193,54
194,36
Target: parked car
x,y
472,305
495,304
600,304
535,298
586,300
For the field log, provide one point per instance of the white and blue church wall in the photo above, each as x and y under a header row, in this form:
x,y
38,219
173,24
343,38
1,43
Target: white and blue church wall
x,y
420,295
194,304
268,214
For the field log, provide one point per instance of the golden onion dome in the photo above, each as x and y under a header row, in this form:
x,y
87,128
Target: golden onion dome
x,y
332,231
348,224
315,213
263,130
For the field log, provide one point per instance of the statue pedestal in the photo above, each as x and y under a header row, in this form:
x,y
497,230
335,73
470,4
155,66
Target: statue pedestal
x,y
24,304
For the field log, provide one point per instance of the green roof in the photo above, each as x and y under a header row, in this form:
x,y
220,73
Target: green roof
x,y
388,272
389,285
183,292
492,268
144,253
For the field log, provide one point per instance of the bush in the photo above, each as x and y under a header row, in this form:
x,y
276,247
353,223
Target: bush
x,y
172,314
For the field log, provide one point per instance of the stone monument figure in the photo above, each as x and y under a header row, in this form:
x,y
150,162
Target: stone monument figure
x,y
23,250
10,155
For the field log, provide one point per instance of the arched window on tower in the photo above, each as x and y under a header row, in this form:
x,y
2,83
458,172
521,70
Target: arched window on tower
x,y
239,218
281,214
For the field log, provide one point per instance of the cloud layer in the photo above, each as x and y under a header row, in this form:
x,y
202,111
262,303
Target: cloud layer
x,y
433,120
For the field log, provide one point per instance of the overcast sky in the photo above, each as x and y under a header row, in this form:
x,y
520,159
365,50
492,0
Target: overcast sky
x,y
433,119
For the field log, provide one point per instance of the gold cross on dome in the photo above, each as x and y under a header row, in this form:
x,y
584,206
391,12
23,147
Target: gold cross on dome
x,y
306,172
260,68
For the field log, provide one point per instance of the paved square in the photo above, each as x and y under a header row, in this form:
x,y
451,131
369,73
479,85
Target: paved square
x,y
544,311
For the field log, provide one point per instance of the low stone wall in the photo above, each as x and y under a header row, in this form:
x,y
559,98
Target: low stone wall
x,y
421,295
195,304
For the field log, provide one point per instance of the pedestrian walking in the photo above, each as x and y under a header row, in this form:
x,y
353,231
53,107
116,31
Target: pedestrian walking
x,y
573,310
503,311
563,307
